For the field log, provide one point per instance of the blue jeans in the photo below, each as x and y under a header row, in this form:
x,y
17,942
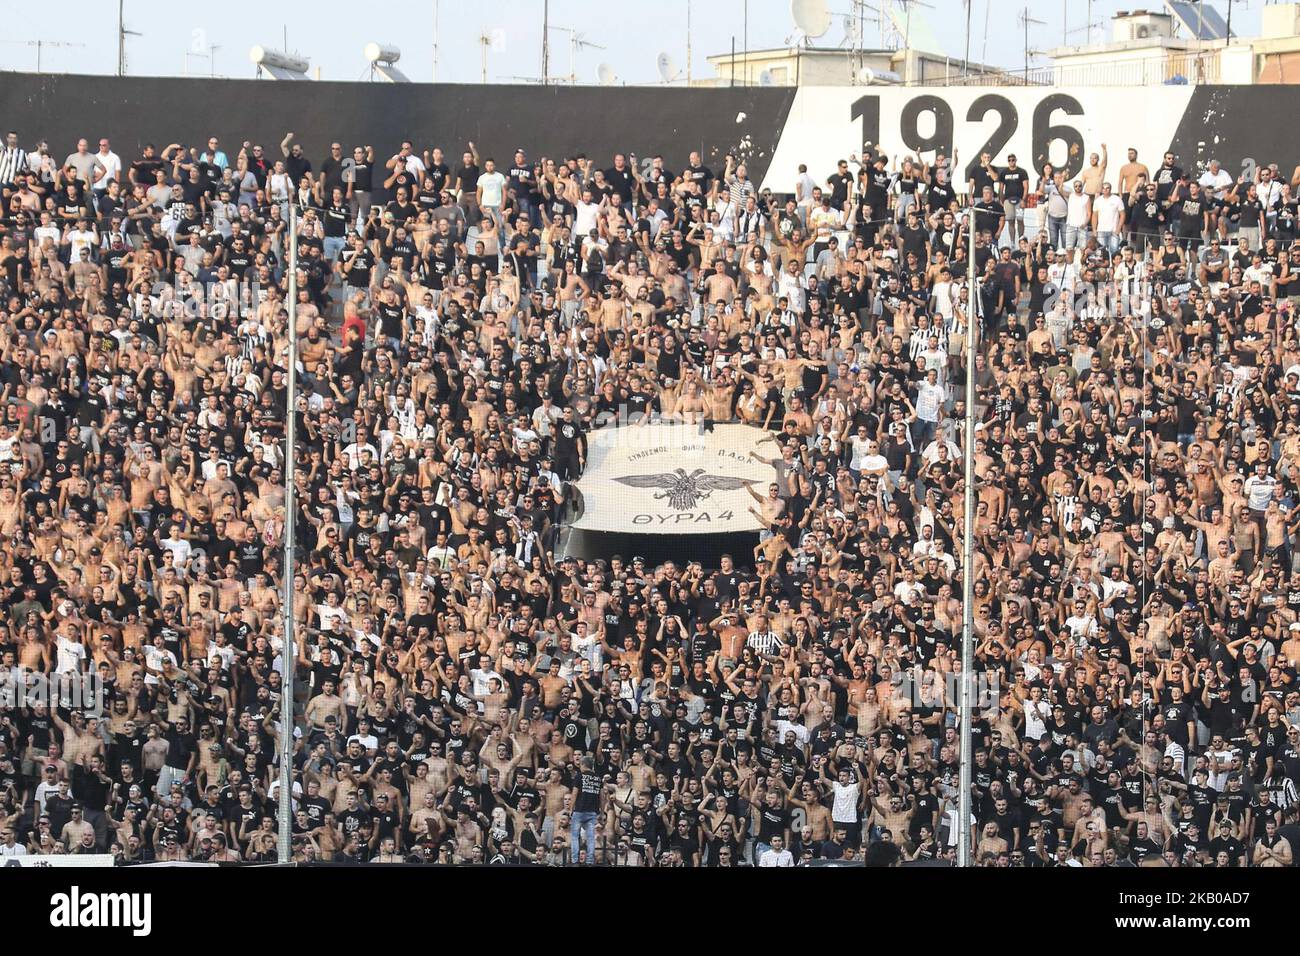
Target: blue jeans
x,y
1056,231
1109,241
584,822
333,246
1075,236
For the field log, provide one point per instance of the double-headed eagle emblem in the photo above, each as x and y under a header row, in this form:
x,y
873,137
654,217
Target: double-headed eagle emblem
x,y
684,491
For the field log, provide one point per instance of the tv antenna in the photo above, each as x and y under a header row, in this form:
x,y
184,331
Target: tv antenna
x,y
494,40
1026,21
208,53
40,45
577,41
122,34
1089,27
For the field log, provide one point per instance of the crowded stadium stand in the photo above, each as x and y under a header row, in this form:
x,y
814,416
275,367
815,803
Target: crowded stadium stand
x,y
629,498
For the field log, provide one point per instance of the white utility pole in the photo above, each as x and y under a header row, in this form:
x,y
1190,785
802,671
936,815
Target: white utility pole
x,y
968,562
288,652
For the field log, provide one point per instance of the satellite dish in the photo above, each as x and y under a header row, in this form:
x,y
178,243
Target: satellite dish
x,y
765,78
605,74
811,16
866,75
667,68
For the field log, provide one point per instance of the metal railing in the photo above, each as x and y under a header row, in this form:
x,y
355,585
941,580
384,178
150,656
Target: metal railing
x,y
1190,68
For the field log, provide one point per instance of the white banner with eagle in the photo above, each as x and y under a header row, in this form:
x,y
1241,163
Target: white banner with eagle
x,y
673,479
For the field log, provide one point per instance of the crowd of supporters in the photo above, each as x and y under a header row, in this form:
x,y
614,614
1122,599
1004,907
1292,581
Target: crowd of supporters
x,y
468,694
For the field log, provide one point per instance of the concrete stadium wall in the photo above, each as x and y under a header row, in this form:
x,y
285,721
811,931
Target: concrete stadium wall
x,y
556,121
1235,124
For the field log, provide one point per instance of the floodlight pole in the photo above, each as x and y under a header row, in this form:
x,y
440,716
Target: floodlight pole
x,y
288,653
967,564
965,63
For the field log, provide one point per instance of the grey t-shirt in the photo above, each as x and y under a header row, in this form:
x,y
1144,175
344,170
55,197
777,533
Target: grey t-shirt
x,y
85,164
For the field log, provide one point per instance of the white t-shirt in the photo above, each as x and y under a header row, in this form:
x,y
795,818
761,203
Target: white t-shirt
x,y
1036,715
906,592
155,658
80,240
1078,209
803,188
845,806
929,398
776,858
584,219
70,656
112,164
331,618
369,741
482,679
1085,626
1259,491
1108,209
860,452
875,464
1216,182
823,221
493,185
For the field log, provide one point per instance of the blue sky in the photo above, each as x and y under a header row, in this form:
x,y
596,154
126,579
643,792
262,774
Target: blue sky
x,y
631,33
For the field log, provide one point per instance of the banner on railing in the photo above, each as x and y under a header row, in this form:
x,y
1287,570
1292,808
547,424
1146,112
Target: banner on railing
x,y
59,859
674,479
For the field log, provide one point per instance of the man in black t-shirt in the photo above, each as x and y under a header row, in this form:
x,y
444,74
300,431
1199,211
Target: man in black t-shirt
x,y
1013,183
586,807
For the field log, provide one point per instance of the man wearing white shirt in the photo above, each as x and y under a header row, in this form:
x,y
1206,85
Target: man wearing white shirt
x,y
1037,712
1108,219
930,396
926,546
1081,624
70,654
1215,184
483,675
790,286
49,784
1258,488
109,168
586,213
803,188
9,845
776,854
352,454
157,660
491,191
1269,190
931,451
364,736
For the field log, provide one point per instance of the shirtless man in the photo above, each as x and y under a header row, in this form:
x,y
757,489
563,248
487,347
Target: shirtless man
x,y
1129,173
